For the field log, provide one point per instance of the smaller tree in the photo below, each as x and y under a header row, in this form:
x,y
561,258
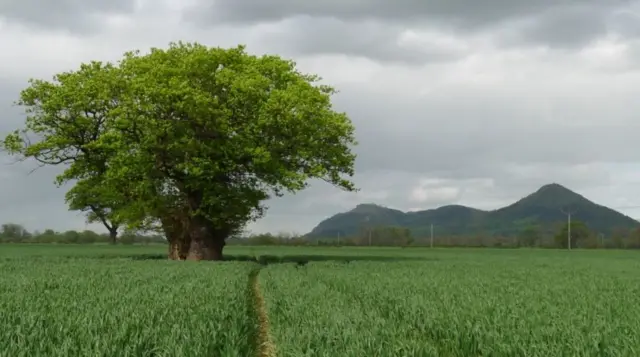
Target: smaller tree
x,y
98,202
530,236
579,232
408,237
14,233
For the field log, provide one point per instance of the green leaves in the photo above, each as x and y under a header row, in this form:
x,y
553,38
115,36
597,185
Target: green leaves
x,y
215,130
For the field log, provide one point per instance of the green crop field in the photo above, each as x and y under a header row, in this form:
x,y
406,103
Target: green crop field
x,y
501,306
62,307
127,301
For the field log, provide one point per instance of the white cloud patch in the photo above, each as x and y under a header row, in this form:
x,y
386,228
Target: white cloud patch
x,y
435,192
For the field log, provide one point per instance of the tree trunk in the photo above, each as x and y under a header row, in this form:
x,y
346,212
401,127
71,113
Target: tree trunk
x,y
206,249
206,243
113,236
178,237
174,251
178,248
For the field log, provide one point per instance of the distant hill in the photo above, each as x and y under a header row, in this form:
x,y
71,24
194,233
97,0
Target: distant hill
x,y
542,208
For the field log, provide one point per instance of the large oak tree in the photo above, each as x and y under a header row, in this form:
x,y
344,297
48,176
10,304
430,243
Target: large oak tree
x,y
190,140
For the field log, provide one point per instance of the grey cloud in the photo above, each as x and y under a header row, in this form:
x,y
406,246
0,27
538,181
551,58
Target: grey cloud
x,y
564,27
466,154
11,116
468,136
32,199
454,12
528,177
74,15
633,53
25,184
566,24
626,21
575,25
309,36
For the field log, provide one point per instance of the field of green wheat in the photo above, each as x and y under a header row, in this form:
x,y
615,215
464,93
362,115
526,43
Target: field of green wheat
x,y
67,307
489,308
127,301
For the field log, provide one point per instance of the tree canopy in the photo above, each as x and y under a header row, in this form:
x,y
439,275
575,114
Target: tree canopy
x,y
189,140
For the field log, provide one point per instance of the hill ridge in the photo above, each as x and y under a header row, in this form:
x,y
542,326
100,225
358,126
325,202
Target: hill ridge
x,y
542,207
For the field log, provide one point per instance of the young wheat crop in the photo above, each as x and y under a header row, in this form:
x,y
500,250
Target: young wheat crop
x,y
117,307
540,305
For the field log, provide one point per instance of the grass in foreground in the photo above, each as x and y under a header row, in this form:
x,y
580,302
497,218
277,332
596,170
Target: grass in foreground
x,y
57,307
538,304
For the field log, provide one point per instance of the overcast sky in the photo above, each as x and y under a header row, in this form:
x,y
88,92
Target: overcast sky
x,y
453,101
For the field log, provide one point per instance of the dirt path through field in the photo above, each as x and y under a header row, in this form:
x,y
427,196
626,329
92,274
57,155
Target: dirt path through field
x,y
265,346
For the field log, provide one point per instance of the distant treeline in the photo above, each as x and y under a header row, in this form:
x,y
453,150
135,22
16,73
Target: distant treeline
x,y
15,233
533,236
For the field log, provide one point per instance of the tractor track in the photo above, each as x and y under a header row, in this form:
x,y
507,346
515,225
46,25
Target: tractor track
x,y
262,338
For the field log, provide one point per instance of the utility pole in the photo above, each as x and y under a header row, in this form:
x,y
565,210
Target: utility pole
x,y
367,226
431,235
338,238
568,213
